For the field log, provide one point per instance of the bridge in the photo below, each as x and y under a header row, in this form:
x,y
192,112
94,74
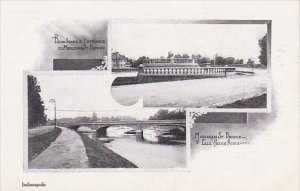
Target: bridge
x,y
100,127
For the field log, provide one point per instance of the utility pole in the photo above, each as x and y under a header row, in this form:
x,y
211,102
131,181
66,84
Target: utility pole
x,y
53,101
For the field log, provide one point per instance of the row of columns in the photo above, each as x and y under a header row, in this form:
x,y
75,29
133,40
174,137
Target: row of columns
x,y
183,71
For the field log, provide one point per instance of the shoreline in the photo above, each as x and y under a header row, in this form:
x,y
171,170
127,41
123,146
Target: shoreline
x,y
99,156
38,143
253,102
143,79
133,80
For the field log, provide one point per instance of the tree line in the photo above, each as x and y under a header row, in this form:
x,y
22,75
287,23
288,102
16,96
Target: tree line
x,y
36,108
217,60
165,114
92,119
162,114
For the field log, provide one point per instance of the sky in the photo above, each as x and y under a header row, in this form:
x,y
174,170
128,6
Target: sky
x,y
155,40
83,95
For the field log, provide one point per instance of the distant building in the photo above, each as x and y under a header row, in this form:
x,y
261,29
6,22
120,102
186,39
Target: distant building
x,y
119,61
170,62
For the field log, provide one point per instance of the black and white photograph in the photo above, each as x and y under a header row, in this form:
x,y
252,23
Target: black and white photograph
x,y
152,95
77,133
69,45
219,64
219,130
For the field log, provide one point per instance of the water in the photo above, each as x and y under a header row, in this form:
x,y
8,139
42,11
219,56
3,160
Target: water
x,y
143,154
208,92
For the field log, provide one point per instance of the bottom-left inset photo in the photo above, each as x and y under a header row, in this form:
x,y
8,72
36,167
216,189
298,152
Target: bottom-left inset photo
x,y
67,128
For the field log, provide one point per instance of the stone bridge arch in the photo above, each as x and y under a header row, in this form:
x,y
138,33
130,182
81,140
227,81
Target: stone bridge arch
x,y
101,128
74,127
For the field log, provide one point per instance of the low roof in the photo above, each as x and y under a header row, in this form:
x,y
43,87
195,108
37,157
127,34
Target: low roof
x,y
170,64
167,58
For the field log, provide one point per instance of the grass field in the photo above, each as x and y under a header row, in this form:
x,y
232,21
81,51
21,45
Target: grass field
x,y
38,142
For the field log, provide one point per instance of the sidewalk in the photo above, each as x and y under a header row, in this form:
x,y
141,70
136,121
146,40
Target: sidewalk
x,y
67,151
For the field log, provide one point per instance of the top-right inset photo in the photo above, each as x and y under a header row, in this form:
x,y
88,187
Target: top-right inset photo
x,y
192,64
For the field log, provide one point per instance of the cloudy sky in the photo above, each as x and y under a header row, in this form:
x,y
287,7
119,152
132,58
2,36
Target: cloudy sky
x,y
155,40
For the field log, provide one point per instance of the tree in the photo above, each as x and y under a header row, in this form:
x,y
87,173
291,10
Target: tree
x,y
170,54
219,60
263,50
229,61
94,117
198,56
164,114
177,56
225,61
185,56
36,108
139,61
239,61
250,62
203,60
131,62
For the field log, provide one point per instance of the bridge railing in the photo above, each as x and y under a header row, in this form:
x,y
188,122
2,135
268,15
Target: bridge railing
x,y
127,122
186,71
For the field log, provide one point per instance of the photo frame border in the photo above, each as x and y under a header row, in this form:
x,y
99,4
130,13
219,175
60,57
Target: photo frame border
x,y
25,134
268,24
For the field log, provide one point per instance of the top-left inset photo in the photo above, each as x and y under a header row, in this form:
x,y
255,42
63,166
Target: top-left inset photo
x,y
74,45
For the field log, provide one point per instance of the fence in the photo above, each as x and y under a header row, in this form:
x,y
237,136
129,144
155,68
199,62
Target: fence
x,y
188,71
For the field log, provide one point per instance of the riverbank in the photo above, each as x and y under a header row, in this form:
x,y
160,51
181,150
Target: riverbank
x,y
148,155
99,156
66,152
254,102
209,92
39,140
131,80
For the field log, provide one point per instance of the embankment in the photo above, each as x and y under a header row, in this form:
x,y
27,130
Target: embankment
x,y
153,79
125,81
40,142
101,157
254,102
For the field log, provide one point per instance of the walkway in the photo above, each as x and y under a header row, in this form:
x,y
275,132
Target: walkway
x,y
67,151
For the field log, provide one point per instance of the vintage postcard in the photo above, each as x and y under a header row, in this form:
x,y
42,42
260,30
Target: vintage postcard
x,y
77,133
162,95
181,63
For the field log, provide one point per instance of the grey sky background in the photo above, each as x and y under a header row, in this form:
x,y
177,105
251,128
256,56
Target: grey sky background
x,y
155,40
87,93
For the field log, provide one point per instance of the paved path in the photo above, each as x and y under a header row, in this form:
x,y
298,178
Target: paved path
x,y
67,151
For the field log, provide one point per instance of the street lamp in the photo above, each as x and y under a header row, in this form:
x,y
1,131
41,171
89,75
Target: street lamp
x,y
53,101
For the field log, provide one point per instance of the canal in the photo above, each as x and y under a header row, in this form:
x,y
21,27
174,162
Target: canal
x,y
145,154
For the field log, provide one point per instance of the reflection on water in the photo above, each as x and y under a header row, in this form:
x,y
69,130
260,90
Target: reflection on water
x,y
144,154
118,131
